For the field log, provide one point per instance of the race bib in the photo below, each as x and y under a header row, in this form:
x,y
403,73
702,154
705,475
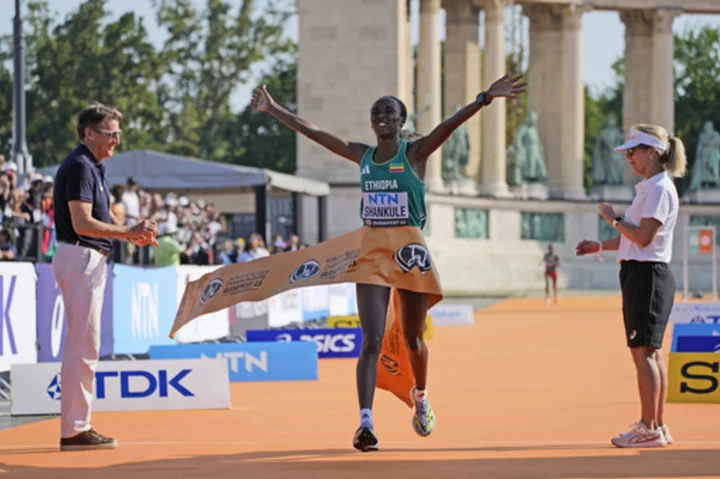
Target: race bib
x,y
385,209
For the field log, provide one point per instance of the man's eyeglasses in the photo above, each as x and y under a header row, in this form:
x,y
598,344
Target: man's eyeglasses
x,y
112,134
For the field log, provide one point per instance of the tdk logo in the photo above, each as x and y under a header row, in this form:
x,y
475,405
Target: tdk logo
x,y
161,383
331,342
133,384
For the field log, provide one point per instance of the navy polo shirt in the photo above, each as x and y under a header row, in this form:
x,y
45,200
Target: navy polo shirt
x,y
81,177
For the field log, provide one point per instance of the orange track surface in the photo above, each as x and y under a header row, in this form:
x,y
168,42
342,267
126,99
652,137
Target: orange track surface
x,y
530,391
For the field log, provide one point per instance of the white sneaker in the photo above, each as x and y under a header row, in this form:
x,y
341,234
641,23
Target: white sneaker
x,y
666,434
640,436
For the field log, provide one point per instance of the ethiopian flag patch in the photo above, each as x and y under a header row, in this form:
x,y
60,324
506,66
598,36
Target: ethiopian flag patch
x,y
397,168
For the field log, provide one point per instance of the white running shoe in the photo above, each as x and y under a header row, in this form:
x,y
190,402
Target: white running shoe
x,y
666,432
640,436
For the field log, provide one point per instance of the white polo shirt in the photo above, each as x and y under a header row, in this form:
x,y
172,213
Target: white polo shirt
x,y
656,197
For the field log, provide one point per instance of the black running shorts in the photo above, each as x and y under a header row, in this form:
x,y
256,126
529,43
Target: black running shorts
x,y
648,293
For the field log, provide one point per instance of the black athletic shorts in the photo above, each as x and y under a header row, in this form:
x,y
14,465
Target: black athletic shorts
x,y
648,293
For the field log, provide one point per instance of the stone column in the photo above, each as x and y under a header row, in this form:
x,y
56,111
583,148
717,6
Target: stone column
x,y
406,43
342,69
572,118
545,78
493,117
462,70
648,96
429,86
663,81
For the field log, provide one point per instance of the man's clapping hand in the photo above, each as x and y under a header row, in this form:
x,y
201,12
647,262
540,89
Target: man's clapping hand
x,y
144,233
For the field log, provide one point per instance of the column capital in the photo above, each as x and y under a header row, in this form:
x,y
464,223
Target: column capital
x,y
648,22
638,23
494,9
663,19
429,6
544,17
572,15
461,11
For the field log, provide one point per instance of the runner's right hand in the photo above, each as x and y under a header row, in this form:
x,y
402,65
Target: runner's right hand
x,y
261,99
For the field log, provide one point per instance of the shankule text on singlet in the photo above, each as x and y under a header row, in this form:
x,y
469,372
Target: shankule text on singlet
x,y
382,205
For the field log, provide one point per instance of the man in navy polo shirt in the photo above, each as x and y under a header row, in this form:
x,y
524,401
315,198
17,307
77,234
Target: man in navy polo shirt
x,y
85,227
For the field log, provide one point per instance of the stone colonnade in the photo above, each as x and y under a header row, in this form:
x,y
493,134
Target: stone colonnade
x,y
556,91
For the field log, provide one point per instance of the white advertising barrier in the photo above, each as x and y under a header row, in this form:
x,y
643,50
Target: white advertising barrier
x,y
208,326
285,308
342,299
452,314
696,313
18,314
315,302
148,385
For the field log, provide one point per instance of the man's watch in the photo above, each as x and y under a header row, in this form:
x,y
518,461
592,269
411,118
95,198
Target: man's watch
x,y
616,220
482,99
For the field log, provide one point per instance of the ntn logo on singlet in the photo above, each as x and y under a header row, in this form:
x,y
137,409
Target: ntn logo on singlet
x,y
386,199
385,206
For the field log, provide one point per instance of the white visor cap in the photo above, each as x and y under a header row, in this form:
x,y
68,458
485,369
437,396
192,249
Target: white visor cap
x,y
637,137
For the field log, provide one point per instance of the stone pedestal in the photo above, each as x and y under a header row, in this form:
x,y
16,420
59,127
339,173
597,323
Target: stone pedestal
x,y
463,187
612,193
435,184
495,190
530,191
467,187
702,196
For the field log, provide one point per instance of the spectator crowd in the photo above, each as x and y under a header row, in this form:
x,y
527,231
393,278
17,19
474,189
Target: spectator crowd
x,y
191,232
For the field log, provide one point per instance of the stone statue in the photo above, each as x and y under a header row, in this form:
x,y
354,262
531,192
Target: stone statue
x,y
514,167
455,153
607,165
410,124
528,151
706,167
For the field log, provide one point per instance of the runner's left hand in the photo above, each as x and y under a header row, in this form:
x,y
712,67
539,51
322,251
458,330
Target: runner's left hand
x,y
507,87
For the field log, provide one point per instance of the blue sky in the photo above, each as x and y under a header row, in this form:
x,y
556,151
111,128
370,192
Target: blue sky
x,y
602,36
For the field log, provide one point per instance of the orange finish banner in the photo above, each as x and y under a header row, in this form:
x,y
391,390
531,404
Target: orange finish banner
x,y
394,257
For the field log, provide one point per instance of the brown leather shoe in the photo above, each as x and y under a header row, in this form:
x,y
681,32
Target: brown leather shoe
x,y
87,441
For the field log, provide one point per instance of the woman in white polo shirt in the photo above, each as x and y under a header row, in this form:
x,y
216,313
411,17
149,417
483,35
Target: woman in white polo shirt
x,y
644,249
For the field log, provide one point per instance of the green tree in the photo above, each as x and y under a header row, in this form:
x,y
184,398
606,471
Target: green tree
x,y
257,139
85,59
697,87
595,119
6,97
697,90
207,54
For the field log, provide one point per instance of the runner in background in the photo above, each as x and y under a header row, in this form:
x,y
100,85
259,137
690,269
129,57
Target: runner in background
x,y
552,261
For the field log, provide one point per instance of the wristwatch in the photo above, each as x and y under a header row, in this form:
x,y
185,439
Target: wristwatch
x,y
616,220
482,99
